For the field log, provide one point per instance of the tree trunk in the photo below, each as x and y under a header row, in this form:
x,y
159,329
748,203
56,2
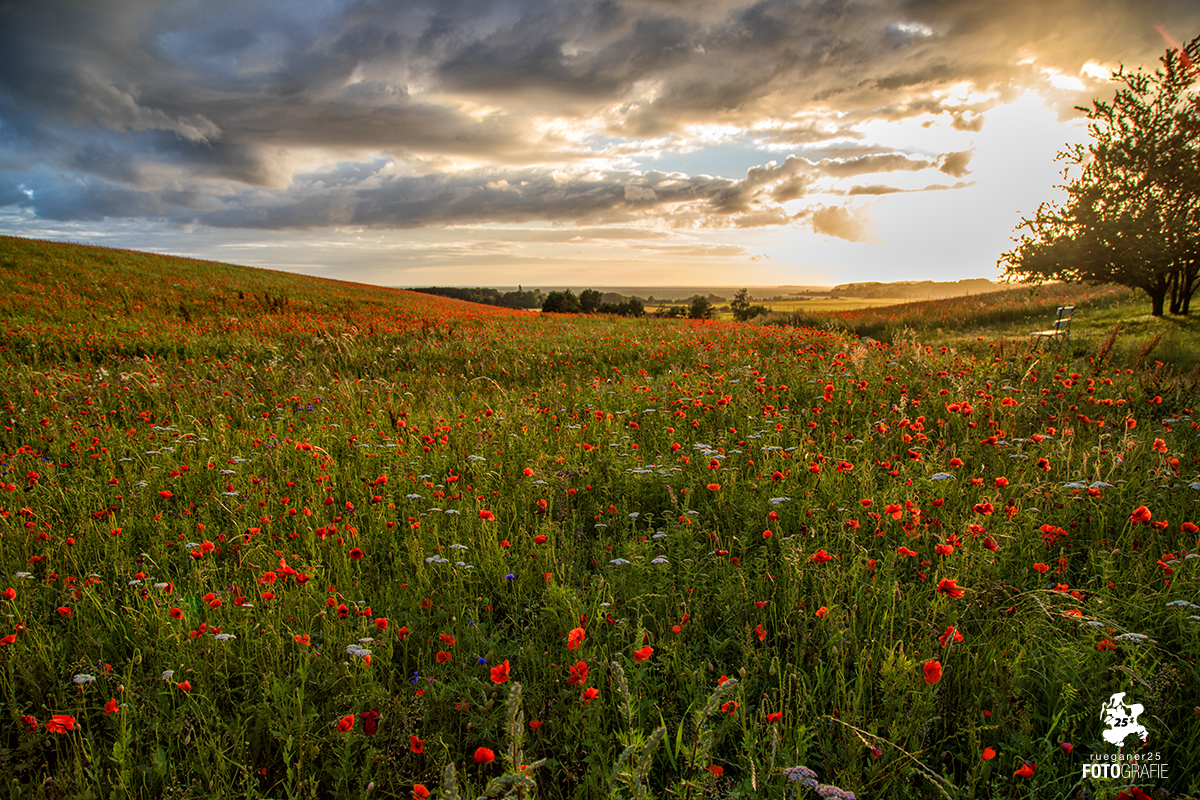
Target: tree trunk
x,y
1157,301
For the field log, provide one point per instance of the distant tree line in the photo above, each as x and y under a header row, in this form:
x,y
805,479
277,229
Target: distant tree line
x,y
590,301
489,297
701,307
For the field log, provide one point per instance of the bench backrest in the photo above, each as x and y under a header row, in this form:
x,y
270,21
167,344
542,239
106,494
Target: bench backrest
x,y
1063,321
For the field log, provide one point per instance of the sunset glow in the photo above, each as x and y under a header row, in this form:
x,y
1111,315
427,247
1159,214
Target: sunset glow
x,y
550,143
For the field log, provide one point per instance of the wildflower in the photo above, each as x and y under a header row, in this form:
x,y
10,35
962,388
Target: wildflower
x,y
820,557
730,706
713,487
643,654
1040,567
822,611
1026,770
184,685
443,657
1140,516
1067,747
60,723
110,707
716,770
933,671
370,721
590,694
500,672
484,514
775,717
10,593
355,554
577,675
64,611
416,744
575,638
484,756
904,551
761,633
988,754
534,724
950,636
345,723
420,792
949,587
381,623
30,723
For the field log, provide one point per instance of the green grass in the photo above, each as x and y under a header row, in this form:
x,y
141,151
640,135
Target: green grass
x,y
306,470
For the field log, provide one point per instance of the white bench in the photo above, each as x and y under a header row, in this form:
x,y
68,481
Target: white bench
x,y
1061,331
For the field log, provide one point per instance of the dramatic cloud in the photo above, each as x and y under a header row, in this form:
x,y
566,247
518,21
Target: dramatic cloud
x,y
301,115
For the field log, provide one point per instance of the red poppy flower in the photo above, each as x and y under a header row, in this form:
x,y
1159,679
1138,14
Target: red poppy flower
x,y
484,514
761,633
539,539
1040,567
904,551
713,487
415,744
370,721
716,769
1026,770
110,707
822,611
988,754
165,495
1140,516
7,640
577,675
10,593
381,623
29,723
355,554
1067,747
176,613
484,756
184,686
775,717
820,557
345,723
590,694
500,672
949,587
951,635
64,611
575,638
443,657
933,671
534,724
60,723
420,792
643,654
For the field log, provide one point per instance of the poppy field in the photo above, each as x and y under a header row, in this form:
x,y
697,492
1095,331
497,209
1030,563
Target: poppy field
x,y
269,536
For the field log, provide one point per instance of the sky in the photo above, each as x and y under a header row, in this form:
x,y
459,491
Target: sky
x,y
582,143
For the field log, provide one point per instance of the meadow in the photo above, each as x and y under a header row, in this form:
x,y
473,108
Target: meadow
x,y
268,536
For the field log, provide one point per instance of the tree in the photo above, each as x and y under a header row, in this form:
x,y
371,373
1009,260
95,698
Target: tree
x,y
742,310
1132,212
589,301
700,308
564,302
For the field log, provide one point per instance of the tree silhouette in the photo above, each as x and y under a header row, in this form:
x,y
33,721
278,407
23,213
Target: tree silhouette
x,y
1132,213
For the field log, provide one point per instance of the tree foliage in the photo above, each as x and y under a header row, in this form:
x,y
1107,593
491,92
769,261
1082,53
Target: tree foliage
x,y
742,309
1132,212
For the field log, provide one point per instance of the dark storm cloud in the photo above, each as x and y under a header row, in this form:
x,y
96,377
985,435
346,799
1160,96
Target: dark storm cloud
x,y
269,114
